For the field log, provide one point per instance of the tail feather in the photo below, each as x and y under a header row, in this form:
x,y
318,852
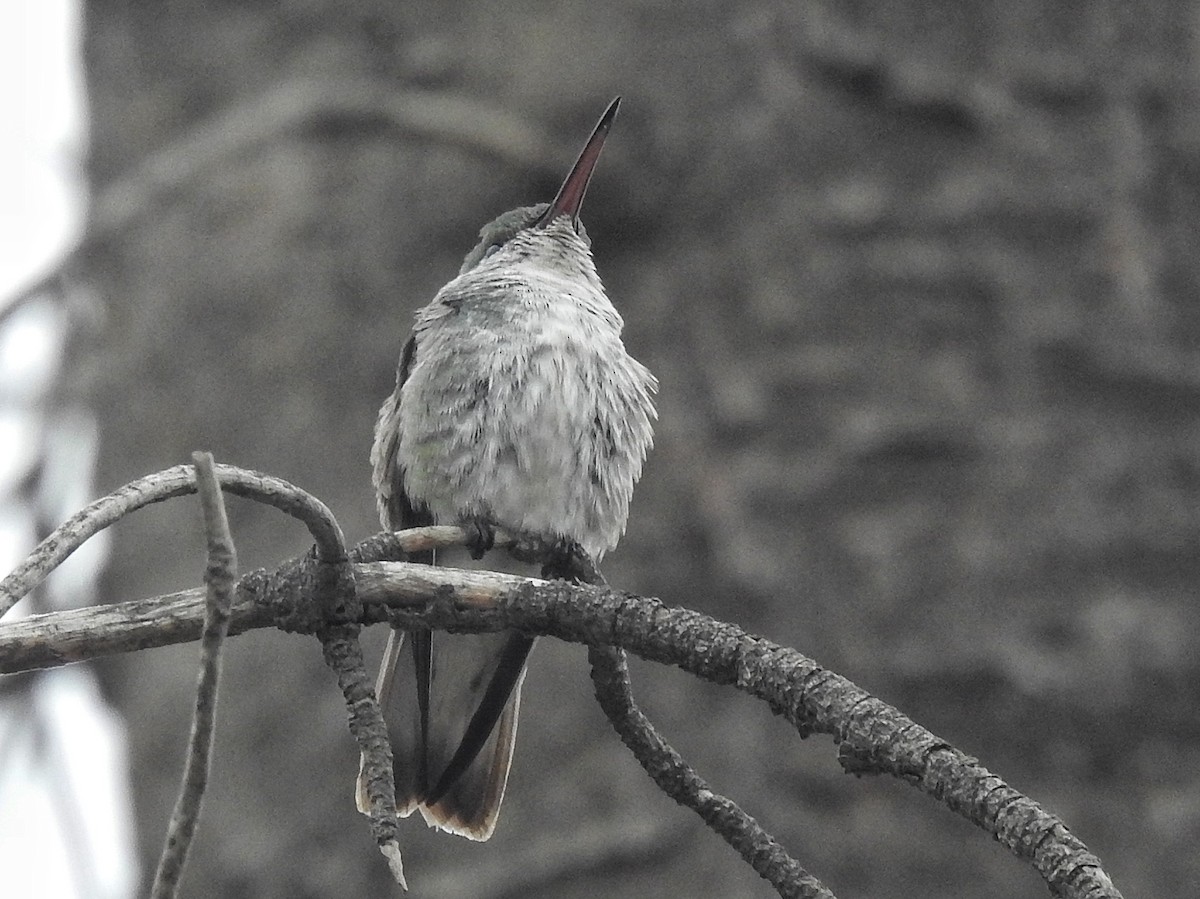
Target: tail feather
x,y
470,805
492,704
452,724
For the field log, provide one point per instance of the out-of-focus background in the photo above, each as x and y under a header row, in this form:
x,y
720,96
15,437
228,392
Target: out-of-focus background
x,y
919,282
62,746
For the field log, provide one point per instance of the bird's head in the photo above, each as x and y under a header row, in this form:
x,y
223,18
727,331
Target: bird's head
x,y
557,220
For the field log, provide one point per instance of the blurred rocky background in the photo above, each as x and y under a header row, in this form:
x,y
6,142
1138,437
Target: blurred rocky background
x,y
919,280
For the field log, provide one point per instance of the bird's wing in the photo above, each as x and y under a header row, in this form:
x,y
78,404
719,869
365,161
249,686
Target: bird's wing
x,y
406,711
396,510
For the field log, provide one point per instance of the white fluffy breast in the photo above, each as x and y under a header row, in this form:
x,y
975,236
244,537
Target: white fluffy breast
x,y
522,405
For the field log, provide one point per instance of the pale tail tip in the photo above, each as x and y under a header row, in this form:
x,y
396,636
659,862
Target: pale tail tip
x,y
391,851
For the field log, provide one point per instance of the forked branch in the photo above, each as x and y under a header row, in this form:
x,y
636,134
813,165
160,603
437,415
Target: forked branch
x,y
872,736
325,578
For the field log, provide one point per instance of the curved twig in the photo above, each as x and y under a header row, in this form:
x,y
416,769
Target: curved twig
x,y
676,778
333,612
155,488
221,577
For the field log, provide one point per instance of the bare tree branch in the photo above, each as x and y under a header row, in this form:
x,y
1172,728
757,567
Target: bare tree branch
x,y
873,737
221,577
330,595
263,598
331,609
338,629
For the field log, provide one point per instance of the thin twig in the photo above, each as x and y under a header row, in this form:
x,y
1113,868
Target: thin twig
x,y
398,546
221,577
340,616
155,488
676,778
343,653
329,585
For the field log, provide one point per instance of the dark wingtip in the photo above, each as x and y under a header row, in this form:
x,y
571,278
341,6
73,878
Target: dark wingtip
x,y
570,195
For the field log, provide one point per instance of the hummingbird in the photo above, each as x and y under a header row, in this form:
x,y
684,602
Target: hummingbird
x,y
518,407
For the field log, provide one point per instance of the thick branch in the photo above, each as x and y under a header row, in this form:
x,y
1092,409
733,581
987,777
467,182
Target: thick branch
x,y
76,635
874,737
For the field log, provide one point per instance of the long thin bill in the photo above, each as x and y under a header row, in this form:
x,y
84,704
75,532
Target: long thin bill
x,y
570,195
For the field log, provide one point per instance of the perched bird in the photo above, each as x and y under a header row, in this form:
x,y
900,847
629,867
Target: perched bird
x,y
516,407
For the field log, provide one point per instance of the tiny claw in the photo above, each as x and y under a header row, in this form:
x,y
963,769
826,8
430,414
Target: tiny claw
x,y
481,536
563,560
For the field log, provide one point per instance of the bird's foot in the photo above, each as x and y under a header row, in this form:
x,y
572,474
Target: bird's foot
x,y
481,535
565,559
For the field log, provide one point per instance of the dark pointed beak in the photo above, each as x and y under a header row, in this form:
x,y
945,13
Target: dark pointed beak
x,y
570,195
